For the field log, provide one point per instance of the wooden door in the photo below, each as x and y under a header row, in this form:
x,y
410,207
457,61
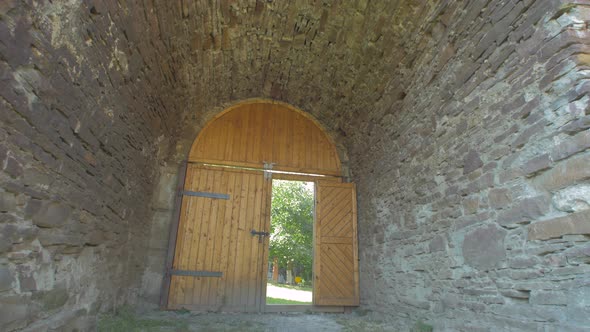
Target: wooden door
x,y
336,278
218,264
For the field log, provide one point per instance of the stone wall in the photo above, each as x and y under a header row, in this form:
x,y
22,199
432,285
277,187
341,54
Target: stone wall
x,y
473,172
83,100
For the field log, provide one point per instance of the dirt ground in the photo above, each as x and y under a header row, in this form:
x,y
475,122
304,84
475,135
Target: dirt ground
x,y
127,320
288,294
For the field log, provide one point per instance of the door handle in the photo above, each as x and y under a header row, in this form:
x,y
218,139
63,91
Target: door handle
x,y
260,234
254,233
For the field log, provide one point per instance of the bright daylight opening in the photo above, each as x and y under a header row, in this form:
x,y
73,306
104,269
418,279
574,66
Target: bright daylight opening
x,y
289,279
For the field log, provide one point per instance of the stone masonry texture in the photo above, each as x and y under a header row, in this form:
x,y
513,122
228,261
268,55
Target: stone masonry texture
x,y
465,124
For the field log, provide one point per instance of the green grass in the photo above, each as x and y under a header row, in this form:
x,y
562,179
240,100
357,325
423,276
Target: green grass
x,y
125,320
272,300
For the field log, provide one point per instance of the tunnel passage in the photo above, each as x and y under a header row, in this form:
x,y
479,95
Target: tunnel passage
x,y
464,123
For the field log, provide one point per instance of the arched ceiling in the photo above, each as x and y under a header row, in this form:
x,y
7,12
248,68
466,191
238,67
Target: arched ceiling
x,y
334,59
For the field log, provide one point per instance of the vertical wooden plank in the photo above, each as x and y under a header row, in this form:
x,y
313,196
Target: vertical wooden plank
x,y
225,239
200,238
248,240
218,241
173,236
314,149
231,134
247,131
257,128
230,286
308,144
184,244
299,158
219,135
237,288
286,148
254,266
266,208
238,138
210,236
192,239
268,127
355,247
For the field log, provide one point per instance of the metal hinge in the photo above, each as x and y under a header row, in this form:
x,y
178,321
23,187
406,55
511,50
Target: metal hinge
x,y
267,168
204,194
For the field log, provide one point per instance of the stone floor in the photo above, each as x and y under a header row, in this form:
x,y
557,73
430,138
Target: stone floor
x,y
186,321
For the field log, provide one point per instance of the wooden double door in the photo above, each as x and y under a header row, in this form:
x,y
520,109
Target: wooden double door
x,y
220,262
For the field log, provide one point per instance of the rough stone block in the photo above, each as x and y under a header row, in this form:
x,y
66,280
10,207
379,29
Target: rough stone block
x,y
35,177
580,297
565,173
548,298
437,244
52,214
573,199
51,299
6,278
32,207
523,262
527,210
499,198
471,162
578,255
7,202
53,236
470,205
165,191
536,164
15,312
578,143
13,168
160,229
577,125
575,223
483,248
516,294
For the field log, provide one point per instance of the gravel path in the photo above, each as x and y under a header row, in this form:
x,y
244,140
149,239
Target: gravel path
x,y
287,293
240,322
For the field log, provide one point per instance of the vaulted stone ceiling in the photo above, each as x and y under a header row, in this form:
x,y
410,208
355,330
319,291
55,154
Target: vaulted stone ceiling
x,y
333,59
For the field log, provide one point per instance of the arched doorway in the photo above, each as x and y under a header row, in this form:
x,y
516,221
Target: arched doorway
x,y
218,251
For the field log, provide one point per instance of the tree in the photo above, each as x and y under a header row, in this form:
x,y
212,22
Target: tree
x,y
292,224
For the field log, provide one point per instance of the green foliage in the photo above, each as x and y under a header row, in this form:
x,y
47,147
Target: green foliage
x,y
272,300
422,327
292,224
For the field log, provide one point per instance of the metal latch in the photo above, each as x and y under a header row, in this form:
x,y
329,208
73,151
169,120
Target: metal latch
x,y
261,234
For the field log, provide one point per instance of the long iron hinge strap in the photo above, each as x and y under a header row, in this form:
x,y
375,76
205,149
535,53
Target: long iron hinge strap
x,y
205,194
190,273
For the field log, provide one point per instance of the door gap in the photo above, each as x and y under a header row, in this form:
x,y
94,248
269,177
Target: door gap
x,y
290,261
